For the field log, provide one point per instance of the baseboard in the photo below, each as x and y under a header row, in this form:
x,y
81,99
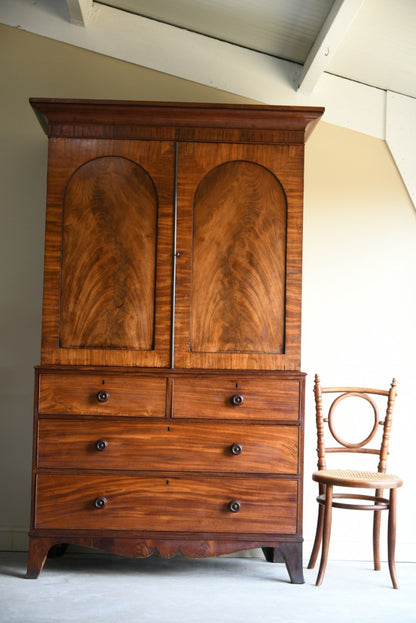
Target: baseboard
x,y
362,550
14,539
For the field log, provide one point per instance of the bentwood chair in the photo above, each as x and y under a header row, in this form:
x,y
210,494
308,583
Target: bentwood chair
x,y
351,478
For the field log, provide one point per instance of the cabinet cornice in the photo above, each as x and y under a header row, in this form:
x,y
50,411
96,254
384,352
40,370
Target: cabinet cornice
x,y
72,118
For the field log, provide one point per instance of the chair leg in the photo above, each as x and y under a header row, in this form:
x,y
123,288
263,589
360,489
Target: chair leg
x,y
376,535
391,542
326,535
318,538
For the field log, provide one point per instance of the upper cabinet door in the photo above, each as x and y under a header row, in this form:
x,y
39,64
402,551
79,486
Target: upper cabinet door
x,y
238,292
108,261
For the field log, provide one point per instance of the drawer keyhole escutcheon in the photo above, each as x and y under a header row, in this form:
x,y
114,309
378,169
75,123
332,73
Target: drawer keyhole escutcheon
x,y
236,449
103,396
101,445
234,506
237,399
100,502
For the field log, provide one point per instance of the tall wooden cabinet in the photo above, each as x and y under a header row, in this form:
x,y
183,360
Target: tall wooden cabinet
x,y
169,399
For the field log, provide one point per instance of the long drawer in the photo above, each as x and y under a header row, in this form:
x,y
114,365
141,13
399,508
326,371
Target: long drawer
x,y
206,446
102,394
239,397
165,503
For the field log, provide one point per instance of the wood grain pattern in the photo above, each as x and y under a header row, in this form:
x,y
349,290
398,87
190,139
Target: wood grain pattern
x,y
116,249
223,277
180,503
71,394
108,257
238,261
180,434
175,120
169,545
175,446
211,397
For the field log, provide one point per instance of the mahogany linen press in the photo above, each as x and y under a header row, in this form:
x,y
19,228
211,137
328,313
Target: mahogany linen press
x,y
169,400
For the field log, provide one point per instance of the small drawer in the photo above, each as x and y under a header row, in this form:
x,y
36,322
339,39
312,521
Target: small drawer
x,y
236,398
101,394
178,446
168,503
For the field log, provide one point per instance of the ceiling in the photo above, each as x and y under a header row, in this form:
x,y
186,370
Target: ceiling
x,y
372,42
282,28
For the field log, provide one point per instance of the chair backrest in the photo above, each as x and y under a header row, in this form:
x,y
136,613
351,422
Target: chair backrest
x,y
326,417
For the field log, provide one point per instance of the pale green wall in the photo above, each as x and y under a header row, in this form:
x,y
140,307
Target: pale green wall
x,y
359,259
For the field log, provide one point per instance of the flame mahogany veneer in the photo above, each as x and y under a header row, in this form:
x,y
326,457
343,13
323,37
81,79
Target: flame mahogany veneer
x,y
169,400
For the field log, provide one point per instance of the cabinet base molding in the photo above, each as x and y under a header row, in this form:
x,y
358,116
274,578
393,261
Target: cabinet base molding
x,y
289,552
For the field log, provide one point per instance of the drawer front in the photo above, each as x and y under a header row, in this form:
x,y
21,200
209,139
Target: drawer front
x,y
236,398
69,502
94,394
178,446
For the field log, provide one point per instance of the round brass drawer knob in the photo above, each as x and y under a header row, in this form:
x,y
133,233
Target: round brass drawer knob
x,y
102,396
236,449
101,445
237,399
100,502
234,506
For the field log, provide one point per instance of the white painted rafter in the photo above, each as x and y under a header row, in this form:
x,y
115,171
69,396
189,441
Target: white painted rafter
x,y
80,11
401,137
340,18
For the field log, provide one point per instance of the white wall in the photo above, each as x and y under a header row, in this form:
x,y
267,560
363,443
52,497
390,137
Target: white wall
x,y
359,258
359,299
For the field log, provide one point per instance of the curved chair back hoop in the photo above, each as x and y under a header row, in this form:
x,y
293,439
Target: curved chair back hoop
x,y
335,403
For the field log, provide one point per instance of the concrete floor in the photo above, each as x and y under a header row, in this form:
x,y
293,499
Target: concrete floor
x,y
90,587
